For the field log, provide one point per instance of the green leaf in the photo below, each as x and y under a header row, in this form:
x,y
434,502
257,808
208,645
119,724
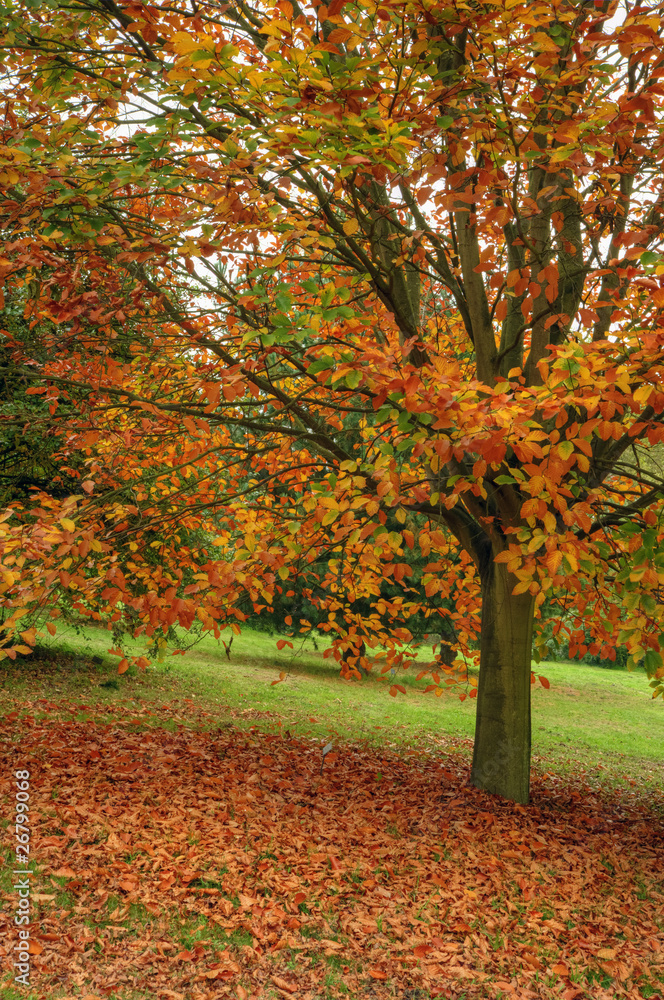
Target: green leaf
x,y
652,662
321,365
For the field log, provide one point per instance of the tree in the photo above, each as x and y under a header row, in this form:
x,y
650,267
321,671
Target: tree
x,y
397,278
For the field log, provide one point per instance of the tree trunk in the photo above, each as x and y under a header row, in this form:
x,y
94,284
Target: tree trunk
x,y
501,758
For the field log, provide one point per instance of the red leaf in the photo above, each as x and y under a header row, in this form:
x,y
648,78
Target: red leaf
x,y
544,682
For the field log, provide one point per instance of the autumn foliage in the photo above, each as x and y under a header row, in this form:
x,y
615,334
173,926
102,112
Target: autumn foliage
x,y
310,293
211,863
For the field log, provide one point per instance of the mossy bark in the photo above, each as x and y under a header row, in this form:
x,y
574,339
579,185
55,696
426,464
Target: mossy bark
x,y
501,758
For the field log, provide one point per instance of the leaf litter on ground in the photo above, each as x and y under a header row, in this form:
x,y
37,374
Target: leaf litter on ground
x,y
206,864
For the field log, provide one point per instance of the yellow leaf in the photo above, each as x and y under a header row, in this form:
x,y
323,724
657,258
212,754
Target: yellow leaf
x,y
350,226
553,561
67,524
571,561
8,577
642,394
183,43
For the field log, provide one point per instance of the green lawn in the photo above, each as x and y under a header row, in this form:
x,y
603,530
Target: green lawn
x,y
591,718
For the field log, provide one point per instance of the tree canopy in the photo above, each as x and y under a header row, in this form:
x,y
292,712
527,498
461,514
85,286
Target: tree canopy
x,y
315,290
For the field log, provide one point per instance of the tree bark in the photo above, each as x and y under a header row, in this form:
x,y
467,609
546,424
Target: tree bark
x,y
501,758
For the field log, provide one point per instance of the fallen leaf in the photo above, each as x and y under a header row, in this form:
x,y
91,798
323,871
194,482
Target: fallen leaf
x,y
282,984
65,872
421,950
560,969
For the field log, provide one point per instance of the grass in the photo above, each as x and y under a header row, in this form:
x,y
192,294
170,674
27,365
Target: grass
x,y
253,827
591,718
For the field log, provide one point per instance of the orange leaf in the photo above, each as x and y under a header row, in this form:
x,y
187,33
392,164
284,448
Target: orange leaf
x,y
123,666
421,950
377,974
532,960
544,681
282,984
397,687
